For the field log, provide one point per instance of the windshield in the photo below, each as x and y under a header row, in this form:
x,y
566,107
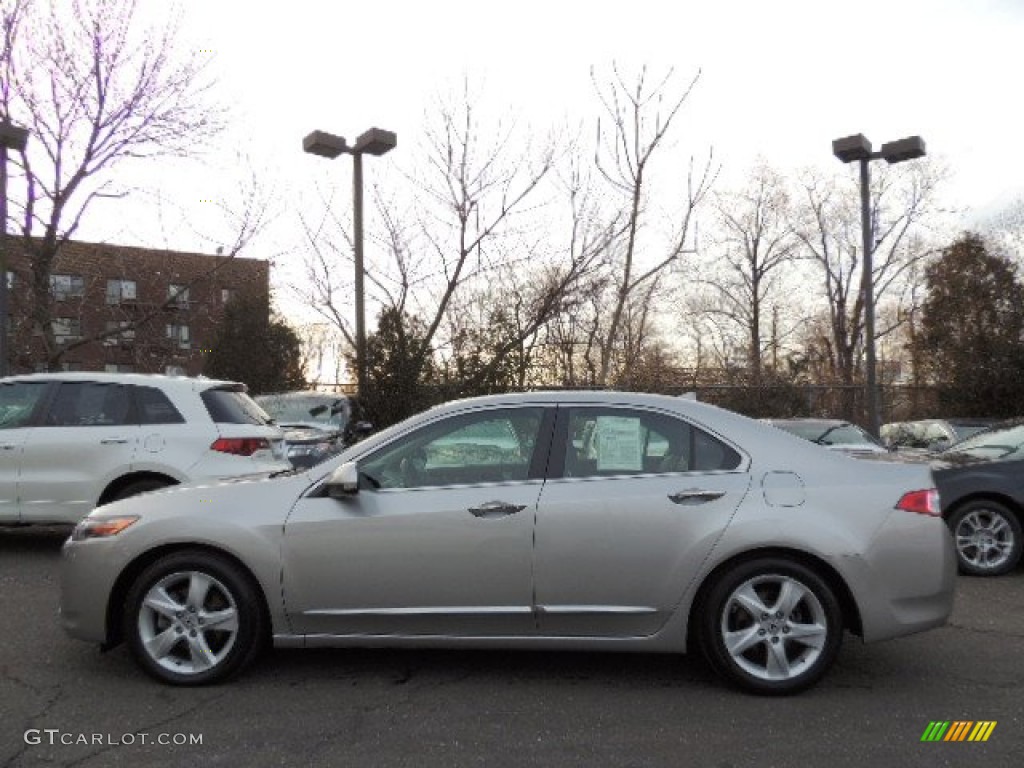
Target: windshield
x,y
1006,443
325,410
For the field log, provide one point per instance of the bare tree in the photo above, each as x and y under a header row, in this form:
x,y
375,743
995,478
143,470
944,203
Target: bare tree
x,y
639,117
97,90
902,199
470,257
753,241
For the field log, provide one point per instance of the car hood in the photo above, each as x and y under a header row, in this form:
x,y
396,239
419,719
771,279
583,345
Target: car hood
x,y
937,461
295,433
238,499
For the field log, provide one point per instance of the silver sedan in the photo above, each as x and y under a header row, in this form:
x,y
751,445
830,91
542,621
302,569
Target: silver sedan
x,y
568,520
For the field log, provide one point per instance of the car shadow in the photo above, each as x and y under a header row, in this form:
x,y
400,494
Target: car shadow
x,y
34,539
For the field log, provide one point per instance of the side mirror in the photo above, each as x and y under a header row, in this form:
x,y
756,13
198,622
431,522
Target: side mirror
x,y
344,481
362,428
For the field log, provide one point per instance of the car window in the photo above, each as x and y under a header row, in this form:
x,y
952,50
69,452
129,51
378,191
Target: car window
x,y
325,410
605,442
90,404
1005,444
18,400
233,406
155,408
491,446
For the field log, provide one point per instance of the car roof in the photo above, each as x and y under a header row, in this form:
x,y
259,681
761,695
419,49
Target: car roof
x,y
191,383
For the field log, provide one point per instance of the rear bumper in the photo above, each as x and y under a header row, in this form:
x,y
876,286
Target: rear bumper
x,y
907,579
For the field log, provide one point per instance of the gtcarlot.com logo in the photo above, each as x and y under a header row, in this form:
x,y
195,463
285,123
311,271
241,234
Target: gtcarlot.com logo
x,y
958,730
55,737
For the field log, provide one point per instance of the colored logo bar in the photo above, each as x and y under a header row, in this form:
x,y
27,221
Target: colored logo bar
x,y
958,730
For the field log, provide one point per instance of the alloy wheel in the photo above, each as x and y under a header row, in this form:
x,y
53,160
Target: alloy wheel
x,y
188,622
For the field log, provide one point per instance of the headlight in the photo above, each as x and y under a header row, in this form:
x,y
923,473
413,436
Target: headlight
x,y
101,527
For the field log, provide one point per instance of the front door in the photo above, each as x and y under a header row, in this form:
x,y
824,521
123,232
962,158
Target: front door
x,y
438,541
86,438
19,404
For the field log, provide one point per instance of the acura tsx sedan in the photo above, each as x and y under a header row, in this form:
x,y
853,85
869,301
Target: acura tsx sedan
x,y
555,520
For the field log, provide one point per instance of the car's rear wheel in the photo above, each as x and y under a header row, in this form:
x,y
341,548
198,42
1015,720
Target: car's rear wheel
x,y
771,626
988,538
193,618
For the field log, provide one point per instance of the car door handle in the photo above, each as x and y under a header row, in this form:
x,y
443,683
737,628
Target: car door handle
x,y
496,509
694,496
7,446
113,441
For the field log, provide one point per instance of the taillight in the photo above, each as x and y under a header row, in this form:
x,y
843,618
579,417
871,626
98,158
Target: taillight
x,y
921,502
240,446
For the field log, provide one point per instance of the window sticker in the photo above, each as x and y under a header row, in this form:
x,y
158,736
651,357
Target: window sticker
x,y
619,446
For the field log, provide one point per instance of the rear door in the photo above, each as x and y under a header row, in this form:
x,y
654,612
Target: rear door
x,y
87,437
634,504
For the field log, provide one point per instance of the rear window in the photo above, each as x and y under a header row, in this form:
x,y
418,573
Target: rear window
x,y
229,406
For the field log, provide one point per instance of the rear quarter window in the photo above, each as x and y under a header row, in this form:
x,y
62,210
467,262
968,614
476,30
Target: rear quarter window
x,y
231,406
155,408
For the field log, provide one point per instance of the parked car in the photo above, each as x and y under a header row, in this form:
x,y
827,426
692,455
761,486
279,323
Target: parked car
x,y
574,520
981,484
931,434
73,441
832,433
315,424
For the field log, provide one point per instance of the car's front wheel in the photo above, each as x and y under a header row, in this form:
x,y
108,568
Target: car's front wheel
x,y
988,538
770,626
193,618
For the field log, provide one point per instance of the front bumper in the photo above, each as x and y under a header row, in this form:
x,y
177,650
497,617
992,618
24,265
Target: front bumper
x,y
88,572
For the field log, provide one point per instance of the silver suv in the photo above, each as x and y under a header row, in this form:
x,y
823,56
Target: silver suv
x,y
73,441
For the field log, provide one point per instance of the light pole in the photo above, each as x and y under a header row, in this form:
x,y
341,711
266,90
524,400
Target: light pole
x,y
11,137
373,142
858,148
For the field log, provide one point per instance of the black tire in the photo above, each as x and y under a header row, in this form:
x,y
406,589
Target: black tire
x,y
175,643
790,645
139,486
988,538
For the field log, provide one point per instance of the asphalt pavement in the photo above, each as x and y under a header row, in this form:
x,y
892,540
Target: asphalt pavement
x,y
63,703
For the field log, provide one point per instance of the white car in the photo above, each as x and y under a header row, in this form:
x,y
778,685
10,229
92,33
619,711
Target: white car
x,y
70,442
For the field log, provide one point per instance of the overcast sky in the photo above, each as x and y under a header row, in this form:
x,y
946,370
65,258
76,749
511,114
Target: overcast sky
x,y
779,80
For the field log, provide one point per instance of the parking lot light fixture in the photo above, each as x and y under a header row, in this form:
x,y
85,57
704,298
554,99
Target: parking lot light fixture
x,y
12,137
376,142
858,149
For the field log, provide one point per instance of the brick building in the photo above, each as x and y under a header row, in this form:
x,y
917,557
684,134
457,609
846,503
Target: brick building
x,y
163,307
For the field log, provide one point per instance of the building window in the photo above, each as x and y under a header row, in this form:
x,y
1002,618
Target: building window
x,y
67,286
118,368
126,334
120,290
174,370
10,281
178,334
177,295
226,294
71,366
67,329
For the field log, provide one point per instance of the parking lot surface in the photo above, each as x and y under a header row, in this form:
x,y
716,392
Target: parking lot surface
x,y
64,703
